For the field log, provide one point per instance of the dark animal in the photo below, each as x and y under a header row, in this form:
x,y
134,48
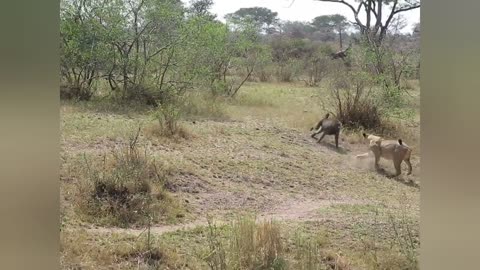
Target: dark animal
x,y
327,127
341,54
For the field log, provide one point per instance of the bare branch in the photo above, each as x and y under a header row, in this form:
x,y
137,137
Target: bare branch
x,y
343,2
157,52
360,6
406,8
383,30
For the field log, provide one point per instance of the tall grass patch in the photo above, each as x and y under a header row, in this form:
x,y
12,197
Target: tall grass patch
x,y
204,105
246,244
83,250
351,96
125,188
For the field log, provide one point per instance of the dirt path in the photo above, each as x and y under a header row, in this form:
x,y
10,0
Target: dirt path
x,y
289,211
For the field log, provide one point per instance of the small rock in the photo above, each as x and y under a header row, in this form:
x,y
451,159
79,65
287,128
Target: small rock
x,y
187,201
292,186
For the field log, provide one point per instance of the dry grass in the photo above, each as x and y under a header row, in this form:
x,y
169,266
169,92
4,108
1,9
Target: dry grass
x,y
127,188
381,238
282,104
255,157
411,84
246,244
82,250
204,106
154,130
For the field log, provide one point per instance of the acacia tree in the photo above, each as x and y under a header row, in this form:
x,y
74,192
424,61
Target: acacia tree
x,y
263,18
297,29
336,22
201,8
379,14
380,18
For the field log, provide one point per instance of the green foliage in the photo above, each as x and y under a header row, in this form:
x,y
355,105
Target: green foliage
x,y
217,52
387,67
82,48
158,52
200,8
262,18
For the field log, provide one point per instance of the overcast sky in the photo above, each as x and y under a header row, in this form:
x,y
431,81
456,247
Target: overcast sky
x,y
300,10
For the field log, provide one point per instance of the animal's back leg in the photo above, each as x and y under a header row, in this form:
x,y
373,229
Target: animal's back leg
x,y
316,132
336,139
409,166
377,159
321,137
398,167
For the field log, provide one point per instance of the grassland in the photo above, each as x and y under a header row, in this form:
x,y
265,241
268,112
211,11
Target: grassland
x,y
248,156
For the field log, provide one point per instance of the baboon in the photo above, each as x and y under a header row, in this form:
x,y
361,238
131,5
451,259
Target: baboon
x,y
395,150
341,54
328,127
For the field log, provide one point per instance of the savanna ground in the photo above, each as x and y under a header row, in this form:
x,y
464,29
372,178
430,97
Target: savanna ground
x,y
251,158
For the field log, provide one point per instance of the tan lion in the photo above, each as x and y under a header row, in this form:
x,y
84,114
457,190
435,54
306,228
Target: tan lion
x,y
394,150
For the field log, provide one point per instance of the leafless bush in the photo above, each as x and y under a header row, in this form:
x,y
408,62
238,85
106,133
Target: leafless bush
x,y
352,100
316,69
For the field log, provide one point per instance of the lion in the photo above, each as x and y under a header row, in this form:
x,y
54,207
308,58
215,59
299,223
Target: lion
x,y
395,150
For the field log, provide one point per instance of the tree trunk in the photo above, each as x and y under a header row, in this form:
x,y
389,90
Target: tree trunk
x,y
125,80
340,38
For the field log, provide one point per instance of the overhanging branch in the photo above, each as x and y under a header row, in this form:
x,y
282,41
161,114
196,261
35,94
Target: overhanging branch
x,y
350,6
406,8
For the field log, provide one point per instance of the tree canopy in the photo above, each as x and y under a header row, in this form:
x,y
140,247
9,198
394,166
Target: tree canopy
x,y
379,15
334,22
265,19
337,23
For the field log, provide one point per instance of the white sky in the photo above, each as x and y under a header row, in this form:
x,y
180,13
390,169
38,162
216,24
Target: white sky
x,y
300,10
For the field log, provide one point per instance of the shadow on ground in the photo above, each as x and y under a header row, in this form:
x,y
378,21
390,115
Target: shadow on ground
x,y
339,150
